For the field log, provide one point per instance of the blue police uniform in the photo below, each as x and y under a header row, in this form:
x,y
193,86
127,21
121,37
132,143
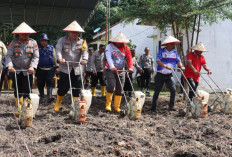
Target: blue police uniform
x,y
46,59
45,70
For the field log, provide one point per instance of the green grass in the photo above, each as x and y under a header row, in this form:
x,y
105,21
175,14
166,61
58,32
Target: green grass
x,y
136,88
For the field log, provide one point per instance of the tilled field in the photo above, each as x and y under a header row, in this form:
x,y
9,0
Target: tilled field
x,y
108,134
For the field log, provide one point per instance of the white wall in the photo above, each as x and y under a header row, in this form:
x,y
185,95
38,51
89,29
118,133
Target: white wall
x,y
137,34
218,40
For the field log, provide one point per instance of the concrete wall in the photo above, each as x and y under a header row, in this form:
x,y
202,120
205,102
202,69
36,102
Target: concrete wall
x,y
137,34
217,38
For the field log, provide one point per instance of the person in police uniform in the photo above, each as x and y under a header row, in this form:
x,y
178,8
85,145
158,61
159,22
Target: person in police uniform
x,y
147,63
97,59
3,51
46,68
89,69
6,77
70,48
22,54
127,86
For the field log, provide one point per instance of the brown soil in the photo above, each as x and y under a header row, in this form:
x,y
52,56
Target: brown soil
x,y
108,134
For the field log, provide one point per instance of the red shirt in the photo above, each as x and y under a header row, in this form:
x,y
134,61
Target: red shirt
x,y
118,56
197,62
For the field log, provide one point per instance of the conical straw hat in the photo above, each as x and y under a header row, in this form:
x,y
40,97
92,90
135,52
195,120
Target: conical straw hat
x,y
170,39
199,47
120,38
23,28
73,27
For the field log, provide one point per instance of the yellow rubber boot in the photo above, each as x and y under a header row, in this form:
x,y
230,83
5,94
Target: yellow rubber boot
x,y
17,106
74,99
20,103
117,102
103,90
21,100
3,84
93,91
10,84
58,103
109,97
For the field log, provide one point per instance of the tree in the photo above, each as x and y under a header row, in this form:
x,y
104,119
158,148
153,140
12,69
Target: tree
x,y
99,18
6,35
179,15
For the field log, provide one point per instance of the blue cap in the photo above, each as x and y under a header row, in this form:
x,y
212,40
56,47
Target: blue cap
x,y
43,37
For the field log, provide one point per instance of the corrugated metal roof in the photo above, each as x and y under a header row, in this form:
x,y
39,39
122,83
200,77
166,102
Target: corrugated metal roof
x,y
47,12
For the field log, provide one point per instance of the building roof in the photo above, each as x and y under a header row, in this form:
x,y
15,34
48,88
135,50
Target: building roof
x,y
57,13
104,31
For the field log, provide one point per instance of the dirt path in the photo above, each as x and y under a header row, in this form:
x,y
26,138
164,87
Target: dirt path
x,y
106,134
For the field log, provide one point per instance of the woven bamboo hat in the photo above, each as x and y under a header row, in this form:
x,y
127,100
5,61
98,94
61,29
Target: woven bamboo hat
x,y
23,28
170,39
199,47
120,38
73,27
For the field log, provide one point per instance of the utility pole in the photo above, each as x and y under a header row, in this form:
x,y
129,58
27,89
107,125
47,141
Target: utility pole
x,y
107,9
107,20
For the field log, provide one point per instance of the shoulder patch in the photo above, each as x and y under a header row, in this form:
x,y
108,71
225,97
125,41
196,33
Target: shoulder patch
x,y
36,46
85,46
11,44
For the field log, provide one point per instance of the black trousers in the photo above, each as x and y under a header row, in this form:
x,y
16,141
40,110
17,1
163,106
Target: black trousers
x,y
88,77
23,85
139,81
4,70
99,77
63,85
160,79
45,76
194,85
127,85
145,78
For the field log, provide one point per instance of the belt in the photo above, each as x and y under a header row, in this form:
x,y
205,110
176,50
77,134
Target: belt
x,y
164,74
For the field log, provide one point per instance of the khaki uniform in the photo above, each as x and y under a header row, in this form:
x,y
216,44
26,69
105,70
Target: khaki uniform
x,y
3,51
89,71
70,51
127,86
22,56
98,69
89,65
135,64
2,71
147,63
98,62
